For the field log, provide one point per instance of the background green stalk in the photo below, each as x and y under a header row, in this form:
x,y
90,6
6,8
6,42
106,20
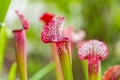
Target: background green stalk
x,y
12,72
3,38
84,68
65,60
4,4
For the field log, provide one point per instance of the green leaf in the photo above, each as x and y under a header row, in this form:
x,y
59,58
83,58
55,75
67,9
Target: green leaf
x,y
40,74
3,10
12,72
4,4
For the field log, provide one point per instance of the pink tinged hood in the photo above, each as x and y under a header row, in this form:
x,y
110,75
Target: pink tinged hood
x,y
52,32
113,73
92,49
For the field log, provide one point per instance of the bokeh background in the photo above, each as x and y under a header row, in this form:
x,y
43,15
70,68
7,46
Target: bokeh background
x,y
100,19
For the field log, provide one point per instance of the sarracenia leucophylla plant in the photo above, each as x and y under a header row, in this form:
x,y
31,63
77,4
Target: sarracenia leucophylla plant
x,y
113,73
52,34
46,18
20,44
94,51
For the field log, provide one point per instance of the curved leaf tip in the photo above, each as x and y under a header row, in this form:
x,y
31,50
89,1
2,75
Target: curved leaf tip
x,y
24,21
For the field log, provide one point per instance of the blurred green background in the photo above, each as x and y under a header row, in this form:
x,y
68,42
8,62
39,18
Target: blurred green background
x,y
100,19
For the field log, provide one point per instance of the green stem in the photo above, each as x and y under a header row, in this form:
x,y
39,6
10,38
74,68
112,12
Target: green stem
x,y
65,60
21,62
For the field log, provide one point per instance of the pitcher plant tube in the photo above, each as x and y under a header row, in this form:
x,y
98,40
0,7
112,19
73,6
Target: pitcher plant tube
x,y
20,44
94,51
52,33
